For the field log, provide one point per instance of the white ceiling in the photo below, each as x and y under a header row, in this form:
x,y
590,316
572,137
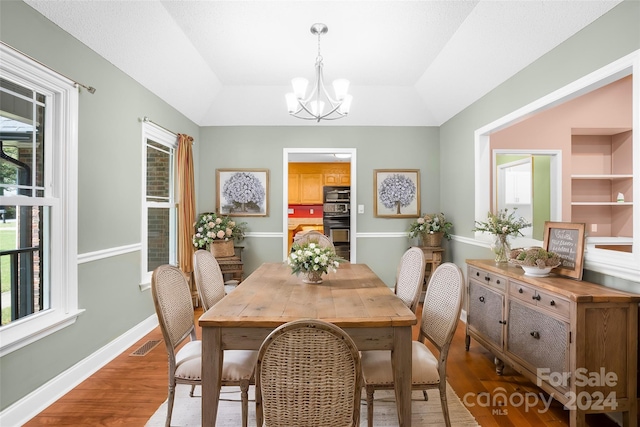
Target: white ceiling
x,y
410,63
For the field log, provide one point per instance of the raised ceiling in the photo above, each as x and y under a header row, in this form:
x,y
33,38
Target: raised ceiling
x,y
410,63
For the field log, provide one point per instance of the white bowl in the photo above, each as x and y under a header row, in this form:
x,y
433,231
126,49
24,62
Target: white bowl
x,y
531,270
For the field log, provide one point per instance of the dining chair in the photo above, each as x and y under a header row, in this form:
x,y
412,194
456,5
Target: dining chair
x,y
440,314
314,236
308,374
410,277
174,308
208,277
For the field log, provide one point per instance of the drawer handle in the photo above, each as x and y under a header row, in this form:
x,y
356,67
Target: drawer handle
x,y
481,299
535,334
498,281
487,278
552,302
477,273
536,297
520,291
502,322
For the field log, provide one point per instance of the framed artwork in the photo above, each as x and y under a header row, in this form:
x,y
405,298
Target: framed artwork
x,y
396,193
242,192
567,240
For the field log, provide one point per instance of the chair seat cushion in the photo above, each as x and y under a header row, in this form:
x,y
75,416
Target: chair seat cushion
x,y
376,366
238,364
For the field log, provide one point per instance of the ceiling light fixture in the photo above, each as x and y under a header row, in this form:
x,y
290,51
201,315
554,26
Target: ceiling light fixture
x,y
312,108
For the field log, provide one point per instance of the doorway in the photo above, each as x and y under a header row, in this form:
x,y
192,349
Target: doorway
x,y
318,155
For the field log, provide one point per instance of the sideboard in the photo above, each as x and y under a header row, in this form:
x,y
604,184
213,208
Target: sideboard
x,y
576,340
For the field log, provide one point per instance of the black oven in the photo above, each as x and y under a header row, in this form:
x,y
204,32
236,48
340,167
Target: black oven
x,y
336,218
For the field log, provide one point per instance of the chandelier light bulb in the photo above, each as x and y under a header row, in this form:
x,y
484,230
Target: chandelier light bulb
x,y
292,102
317,108
341,87
346,105
313,106
300,86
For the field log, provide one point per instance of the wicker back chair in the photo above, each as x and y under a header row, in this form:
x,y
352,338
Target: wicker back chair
x,y
308,374
440,314
208,277
314,236
410,277
174,307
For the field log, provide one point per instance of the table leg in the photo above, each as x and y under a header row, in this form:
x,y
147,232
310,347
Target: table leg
x,y
401,362
212,358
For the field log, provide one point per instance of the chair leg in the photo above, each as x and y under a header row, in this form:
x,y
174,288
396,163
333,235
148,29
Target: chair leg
x,y
193,387
244,393
443,401
172,393
370,391
425,394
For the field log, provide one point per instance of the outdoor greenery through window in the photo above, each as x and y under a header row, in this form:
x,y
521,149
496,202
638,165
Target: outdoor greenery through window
x,y
38,200
23,224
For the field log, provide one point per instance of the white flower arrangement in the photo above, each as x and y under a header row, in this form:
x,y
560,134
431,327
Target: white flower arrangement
x,y
210,227
311,256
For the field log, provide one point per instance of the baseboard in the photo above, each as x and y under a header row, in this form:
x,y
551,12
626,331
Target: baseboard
x,y
39,399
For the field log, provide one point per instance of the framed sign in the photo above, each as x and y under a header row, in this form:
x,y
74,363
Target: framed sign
x,y
567,240
242,192
396,193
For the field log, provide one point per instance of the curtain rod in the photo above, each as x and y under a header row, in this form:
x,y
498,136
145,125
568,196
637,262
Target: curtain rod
x,y
89,89
146,119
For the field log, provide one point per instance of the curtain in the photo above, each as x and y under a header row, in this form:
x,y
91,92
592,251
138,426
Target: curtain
x,y
186,204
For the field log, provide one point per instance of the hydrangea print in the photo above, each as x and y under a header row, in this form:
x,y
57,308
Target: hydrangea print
x,y
397,191
244,192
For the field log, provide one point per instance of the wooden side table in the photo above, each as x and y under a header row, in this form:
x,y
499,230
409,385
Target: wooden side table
x,y
433,258
232,265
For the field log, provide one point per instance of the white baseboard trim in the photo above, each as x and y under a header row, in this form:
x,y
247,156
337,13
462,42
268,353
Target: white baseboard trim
x,y
38,400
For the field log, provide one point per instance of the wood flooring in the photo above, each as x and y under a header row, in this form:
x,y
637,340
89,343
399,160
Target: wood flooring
x,y
128,390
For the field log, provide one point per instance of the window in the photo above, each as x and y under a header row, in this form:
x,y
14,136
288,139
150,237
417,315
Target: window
x,y
159,213
38,200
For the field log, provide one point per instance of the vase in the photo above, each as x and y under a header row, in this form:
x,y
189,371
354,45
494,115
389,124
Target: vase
x,y
501,248
222,248
312,277
432,239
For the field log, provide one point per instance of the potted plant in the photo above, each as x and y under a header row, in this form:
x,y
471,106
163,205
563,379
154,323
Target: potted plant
x,y
502,225
431,228
313,261
535,261
217,233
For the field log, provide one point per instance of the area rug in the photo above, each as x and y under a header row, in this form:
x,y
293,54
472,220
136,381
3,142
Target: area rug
x,y
186,410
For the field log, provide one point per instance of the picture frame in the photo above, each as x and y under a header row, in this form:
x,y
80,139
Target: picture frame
x,y
242,192
396,193
567,240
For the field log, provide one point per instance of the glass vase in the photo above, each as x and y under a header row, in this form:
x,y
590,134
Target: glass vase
x,y
501,248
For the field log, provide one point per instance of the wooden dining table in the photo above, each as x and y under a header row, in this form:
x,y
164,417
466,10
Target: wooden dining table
x,y
353,298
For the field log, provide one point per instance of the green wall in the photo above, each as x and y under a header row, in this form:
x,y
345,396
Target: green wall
x,y
376,148
109,199
609,38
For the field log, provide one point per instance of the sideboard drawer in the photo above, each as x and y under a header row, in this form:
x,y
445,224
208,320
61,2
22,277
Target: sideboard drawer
x,y
488,278
538,298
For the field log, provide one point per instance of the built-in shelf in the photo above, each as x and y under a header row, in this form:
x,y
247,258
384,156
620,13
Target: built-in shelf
x,y
611,177
602,169
601,203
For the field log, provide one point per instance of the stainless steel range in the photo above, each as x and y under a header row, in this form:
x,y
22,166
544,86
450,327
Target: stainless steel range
x,y
337,218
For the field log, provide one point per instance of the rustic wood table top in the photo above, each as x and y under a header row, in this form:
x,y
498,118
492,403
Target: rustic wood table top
x,y
353,298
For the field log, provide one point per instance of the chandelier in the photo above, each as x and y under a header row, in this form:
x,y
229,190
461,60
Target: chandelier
x,y
313,107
